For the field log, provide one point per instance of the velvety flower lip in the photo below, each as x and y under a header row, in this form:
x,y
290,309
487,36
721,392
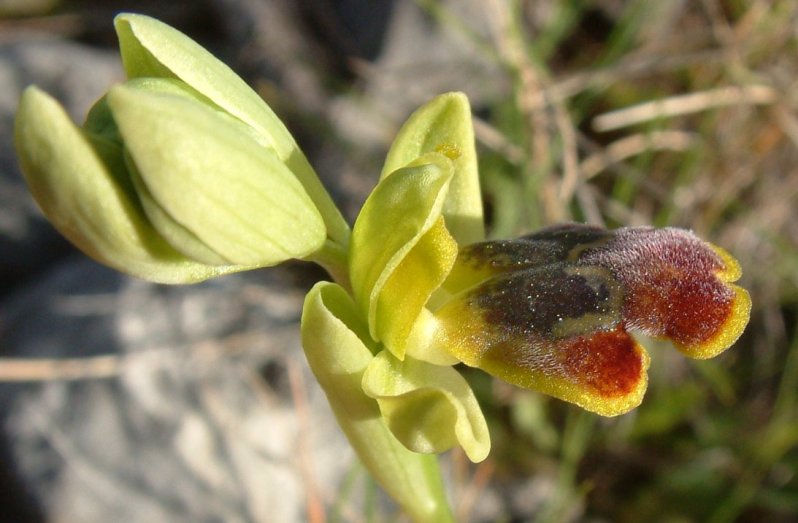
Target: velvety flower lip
x,y
556,329
558,243
551,311
677,287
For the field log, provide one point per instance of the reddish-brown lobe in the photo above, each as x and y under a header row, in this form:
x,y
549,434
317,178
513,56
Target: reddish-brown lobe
x,y
670,281
607,362
688,311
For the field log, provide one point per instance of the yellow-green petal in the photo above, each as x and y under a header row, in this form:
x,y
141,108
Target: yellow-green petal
x,y
410,285
178,236
400,211
429,408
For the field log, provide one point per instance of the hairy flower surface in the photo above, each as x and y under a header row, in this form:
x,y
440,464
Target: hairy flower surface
x,y
552,311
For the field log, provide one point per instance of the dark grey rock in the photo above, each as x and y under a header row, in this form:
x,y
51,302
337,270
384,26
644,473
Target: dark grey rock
x,y
185,427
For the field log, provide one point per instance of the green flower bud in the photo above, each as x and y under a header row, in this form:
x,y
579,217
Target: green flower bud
x,y
180,174
80,182
150,48
210,179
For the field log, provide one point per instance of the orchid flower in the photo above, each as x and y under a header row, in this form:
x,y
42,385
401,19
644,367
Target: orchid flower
x,y
183,173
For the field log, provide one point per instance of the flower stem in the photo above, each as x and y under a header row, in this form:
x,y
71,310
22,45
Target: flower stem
x,y
338,359
334,258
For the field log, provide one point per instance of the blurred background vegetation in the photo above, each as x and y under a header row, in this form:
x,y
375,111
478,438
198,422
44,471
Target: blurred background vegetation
x,y
610,112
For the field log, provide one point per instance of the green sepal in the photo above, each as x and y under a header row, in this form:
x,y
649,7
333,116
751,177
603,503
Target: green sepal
x,y
100,122
237,198
332,334
80,183
150,48
444,125
429,408
173,232
400,211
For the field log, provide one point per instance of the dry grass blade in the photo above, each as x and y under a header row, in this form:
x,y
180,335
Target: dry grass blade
x,y
685,104
629,146
314,504
495,140
41,369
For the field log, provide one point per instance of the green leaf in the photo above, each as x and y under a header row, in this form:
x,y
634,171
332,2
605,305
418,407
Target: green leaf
x,y
444,125
80,183
400,211
150,48
429,408
332,334
236,197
